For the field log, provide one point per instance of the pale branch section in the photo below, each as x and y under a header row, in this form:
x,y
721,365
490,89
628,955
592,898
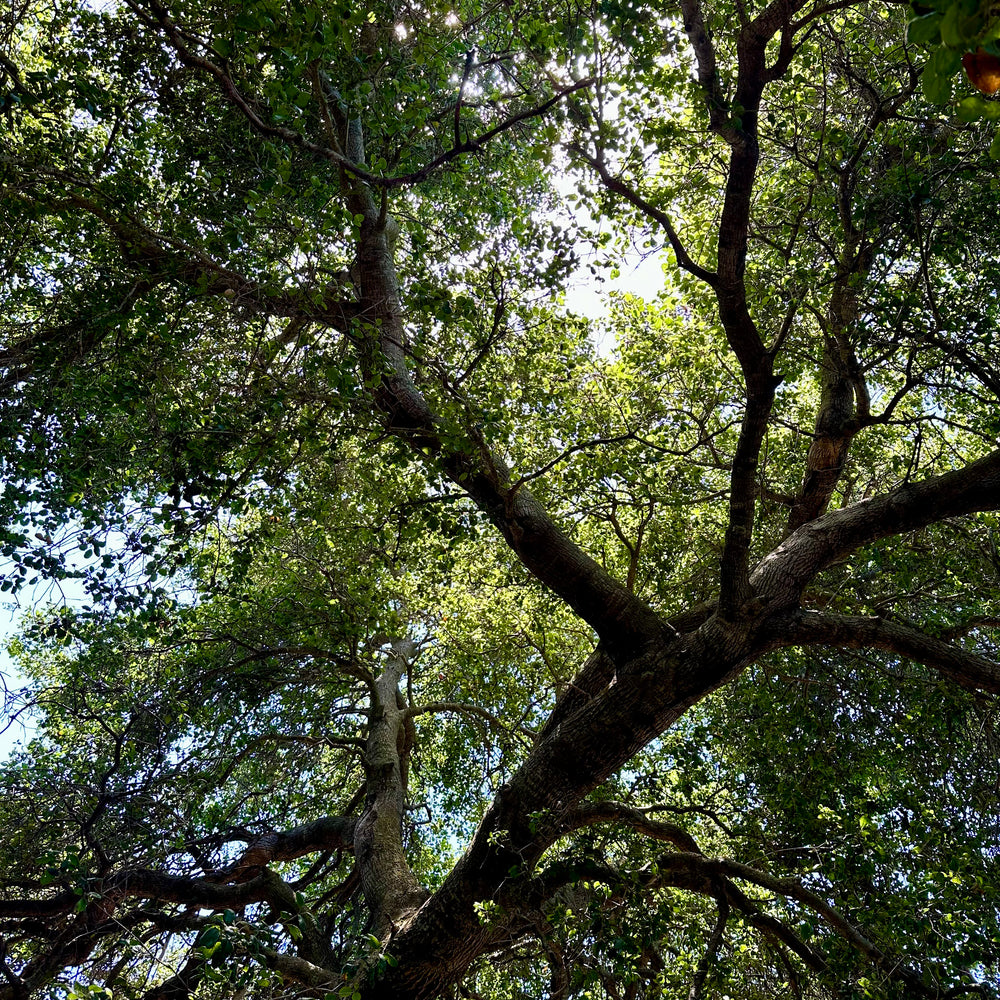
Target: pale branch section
x,y
392,893
329,833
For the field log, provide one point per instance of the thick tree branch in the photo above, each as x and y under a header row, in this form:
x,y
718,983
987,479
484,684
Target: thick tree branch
x,y
330,833
968,669
144,883
708,74
299,970
782,575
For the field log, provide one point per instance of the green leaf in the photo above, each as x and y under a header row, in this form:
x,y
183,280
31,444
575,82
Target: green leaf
x,y
961,23
975,107
939,71
924,30
209,937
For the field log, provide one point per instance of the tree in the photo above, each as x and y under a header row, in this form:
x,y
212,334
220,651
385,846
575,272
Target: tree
x,y
429,650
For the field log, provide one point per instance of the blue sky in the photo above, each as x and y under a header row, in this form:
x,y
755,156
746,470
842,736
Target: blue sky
x,y
9,614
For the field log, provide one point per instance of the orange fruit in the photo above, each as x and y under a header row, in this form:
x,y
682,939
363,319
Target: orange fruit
x,y
983,71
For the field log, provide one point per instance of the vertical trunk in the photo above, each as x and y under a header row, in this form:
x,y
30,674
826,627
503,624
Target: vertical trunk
x,y
392,893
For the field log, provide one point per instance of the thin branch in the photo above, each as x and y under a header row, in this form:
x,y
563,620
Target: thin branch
x,y
183,983
792,889
972,625
461,708
470,57
619,187
562,456
618,812
350,166
475,145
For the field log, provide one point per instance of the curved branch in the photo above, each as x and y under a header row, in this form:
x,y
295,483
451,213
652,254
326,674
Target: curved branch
x,y
781,576
619,187
695,868
968,669
972,625
691,870
679,871
145,883
618,812
791,889
330,833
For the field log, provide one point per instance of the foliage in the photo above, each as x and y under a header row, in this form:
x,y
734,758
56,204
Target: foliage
x,y
426,648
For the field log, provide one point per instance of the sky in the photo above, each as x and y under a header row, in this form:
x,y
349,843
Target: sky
x,y
15,731
11,611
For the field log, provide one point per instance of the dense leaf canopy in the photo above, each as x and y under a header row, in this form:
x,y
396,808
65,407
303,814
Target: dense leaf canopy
x,y
438,641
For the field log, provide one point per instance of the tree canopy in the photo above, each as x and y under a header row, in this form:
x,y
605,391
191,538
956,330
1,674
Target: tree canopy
x,y
439,641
